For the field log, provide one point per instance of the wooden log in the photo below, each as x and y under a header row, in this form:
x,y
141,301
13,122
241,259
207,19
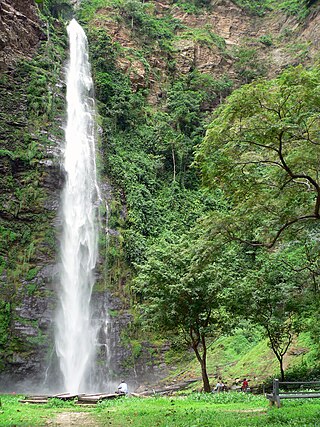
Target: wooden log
x,y
65,396
36,401
95,398
276,396
276,389
299,395
112,396
37,396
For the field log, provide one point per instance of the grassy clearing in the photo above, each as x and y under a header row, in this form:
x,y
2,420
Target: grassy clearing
x,y
16,414
197,410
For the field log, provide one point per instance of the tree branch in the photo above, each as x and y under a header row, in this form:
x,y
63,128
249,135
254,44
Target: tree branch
x,y
259,162
274,240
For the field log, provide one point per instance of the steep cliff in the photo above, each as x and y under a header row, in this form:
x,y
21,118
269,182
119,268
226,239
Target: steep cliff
x,y
31,109
160,68
20,31
220,39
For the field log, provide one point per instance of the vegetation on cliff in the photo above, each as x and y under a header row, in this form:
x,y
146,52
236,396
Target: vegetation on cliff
x,y
214,209
222,237
31,105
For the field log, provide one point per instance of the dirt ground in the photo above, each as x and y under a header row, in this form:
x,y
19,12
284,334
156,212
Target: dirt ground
x,y
69,419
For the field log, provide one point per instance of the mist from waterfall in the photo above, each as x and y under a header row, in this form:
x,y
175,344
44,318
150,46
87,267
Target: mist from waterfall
x,y
75,336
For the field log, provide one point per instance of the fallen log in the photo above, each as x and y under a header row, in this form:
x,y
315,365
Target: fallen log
x,y
64,396
37,401
37,397
95,398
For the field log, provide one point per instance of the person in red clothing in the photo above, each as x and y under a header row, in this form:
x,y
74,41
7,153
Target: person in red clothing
x,y
245,385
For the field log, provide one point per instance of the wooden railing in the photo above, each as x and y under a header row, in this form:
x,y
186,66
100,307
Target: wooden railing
x,y
292,390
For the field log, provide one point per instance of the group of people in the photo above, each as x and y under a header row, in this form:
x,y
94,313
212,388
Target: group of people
x,y
220,386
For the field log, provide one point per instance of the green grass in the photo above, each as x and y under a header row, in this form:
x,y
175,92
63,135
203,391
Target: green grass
x,y
230,409
16,414
196,410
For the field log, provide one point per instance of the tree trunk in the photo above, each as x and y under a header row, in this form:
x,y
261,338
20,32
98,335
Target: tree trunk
x,y
205,379
281,368
173,163
203,363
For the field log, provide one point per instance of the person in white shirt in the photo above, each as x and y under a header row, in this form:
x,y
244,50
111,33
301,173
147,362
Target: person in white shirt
x,y
123,387
219,387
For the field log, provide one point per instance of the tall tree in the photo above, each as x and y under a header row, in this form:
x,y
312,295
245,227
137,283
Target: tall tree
x,y
263,149
182,297
276,296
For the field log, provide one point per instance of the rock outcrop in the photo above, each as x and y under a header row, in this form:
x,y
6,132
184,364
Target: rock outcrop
x,y
278,39
20,30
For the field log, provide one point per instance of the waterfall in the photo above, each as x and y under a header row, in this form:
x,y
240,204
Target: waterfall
x,y
75,336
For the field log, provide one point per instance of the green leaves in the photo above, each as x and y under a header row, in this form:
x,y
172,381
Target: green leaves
x,y
181,292
262,149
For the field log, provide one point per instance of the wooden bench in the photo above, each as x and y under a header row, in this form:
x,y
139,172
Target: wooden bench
x,y
297,391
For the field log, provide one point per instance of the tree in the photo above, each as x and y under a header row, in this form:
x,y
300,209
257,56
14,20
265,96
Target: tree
x,y
184,297
276,297
262,152
263,149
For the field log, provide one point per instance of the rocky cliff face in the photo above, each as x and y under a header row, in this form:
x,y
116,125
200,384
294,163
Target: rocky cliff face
x,y
276,41
31,96
20,31
32,111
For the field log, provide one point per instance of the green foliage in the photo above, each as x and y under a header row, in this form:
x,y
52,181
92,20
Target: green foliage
x,y
299,51
178,299
5,317
276,302
193,7
139,16
263,147
31,103
183,294
294,7
226,409
32,273
56,8
266,40
264,159
59,403
247,64
256,7
298,8
149,153
89,9
204,36
15,413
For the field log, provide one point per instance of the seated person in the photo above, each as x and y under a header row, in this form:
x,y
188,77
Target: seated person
x,y
219,387
123,388
245,385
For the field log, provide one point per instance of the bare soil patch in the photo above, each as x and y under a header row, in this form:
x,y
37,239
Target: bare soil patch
x,y
258,410
68,419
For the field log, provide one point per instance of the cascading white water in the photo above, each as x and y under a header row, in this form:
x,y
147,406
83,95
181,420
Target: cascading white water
x,y
75,336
